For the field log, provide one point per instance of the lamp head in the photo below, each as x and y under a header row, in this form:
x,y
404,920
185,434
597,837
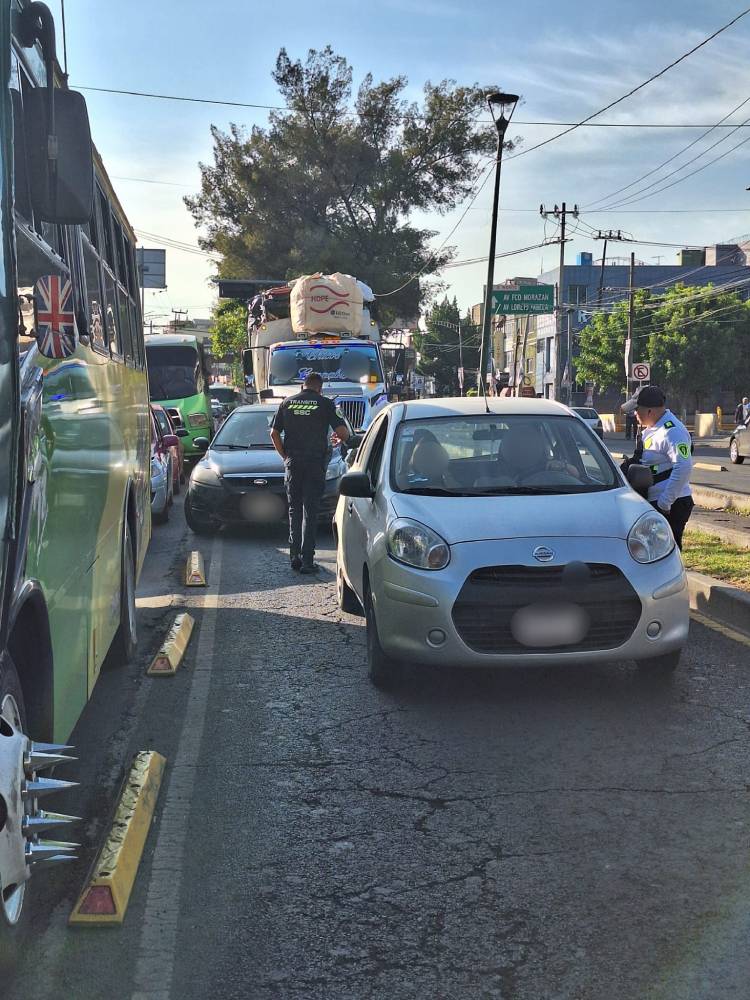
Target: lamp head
x,y
501,107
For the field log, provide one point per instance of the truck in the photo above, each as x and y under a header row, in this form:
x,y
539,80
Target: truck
x,y
341,343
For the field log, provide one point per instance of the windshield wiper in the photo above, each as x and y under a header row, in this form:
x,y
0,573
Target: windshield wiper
x,y
240,447
532,491
439,491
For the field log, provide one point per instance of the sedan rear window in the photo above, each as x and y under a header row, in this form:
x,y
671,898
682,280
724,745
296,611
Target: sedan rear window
x,y
586,412
494,455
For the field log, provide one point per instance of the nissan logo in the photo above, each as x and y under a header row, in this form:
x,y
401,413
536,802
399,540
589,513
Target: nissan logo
x,y
542,554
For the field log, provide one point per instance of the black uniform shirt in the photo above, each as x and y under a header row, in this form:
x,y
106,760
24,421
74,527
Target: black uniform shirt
x,y
304,420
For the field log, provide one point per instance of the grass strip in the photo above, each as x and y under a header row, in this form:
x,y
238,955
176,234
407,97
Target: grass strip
x,y
708,554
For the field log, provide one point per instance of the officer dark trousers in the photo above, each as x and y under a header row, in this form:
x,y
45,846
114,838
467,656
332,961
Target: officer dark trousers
x,y
305,481
678,517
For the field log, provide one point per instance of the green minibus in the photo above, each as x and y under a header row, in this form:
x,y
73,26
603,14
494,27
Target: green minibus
x,y
178,380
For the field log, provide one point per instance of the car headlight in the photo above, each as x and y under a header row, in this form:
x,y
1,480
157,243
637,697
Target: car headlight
x,y
198,420
205,475
417,545
650,538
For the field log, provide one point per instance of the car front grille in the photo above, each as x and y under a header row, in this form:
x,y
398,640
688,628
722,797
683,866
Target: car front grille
x,y
248,484
490,597
353,410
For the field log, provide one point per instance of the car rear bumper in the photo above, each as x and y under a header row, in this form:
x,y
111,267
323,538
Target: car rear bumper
x,y
417,610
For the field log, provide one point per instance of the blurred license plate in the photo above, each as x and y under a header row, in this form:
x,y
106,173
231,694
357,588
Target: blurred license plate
x,y
262,506
553,624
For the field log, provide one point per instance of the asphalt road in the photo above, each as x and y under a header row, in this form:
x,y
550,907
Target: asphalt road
x,y
576,835
715,452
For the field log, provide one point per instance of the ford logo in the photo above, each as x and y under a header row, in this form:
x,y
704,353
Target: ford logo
x,y
542,554
260,482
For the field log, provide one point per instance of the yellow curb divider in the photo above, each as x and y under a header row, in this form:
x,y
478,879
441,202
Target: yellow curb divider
x,y
169,657
195,571
709,467
105,896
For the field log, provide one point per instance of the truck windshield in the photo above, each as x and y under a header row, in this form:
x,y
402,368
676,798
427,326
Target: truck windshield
x,y
336,363
173,372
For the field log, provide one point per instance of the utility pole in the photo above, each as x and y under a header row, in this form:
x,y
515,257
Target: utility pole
x,y
609,235
631,316
176,313
561,214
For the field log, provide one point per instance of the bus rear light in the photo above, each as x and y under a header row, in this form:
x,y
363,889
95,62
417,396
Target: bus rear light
x,y
198,420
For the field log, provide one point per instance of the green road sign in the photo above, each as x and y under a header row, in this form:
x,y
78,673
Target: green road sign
x,y
524,300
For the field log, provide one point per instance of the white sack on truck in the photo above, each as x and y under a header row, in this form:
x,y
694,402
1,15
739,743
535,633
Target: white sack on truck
x,y
326,303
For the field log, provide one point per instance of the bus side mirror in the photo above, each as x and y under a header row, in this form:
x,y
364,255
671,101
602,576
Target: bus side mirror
x,y
181,432
60,166
247,364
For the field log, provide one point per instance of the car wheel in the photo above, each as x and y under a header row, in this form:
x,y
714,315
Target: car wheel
x,y
196,523
734,453
14,902
348,600
383,671
660,666
126,638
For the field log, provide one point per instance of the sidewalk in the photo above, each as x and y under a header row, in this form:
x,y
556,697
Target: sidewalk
x,y
734,529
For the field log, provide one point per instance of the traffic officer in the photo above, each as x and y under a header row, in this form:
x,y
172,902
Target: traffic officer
x,y
664,445
304,421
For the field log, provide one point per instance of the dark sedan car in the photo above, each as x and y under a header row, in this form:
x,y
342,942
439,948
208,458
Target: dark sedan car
x,y
240,479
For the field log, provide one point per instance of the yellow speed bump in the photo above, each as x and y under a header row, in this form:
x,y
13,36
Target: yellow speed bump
x,y
195,572
710,467
106,894
169,657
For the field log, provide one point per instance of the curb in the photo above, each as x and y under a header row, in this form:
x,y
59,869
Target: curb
x,y
105,896
713,499
732,536
719,601
172,650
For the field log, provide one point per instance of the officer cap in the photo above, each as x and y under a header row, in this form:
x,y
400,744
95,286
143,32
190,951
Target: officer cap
x,y
649,395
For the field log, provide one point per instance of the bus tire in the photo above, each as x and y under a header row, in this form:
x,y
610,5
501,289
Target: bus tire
x,y
14,910
126,638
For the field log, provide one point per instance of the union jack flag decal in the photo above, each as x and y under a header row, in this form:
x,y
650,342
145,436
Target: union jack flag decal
x,y
57,336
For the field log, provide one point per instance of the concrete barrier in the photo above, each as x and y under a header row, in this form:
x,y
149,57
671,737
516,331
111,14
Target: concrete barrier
x,y
612,422
719,601
704,425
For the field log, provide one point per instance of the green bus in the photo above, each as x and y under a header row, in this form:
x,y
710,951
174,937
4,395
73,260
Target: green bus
x,y
74,439
178,380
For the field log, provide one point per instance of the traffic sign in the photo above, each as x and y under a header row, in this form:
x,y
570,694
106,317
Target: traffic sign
x,y
524,300
641,372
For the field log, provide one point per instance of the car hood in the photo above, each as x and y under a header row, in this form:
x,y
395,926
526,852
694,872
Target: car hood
x,y
609,514
250,461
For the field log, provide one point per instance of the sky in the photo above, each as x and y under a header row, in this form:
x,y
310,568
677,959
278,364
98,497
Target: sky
x,y
565,59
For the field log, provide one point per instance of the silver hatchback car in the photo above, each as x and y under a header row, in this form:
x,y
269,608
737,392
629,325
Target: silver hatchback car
x,y
502,534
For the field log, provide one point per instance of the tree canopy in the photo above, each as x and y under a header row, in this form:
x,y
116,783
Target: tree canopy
x,y
439,346
696,339
331,184
229,333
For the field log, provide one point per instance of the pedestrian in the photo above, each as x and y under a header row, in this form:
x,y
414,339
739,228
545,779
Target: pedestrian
x,y
742,412
663,444
630,426
300,434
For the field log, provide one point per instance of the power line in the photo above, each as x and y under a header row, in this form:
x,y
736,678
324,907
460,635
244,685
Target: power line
x,y
634,90
671,159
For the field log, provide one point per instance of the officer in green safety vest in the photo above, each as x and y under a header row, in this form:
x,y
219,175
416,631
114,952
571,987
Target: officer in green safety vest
x,y
664,445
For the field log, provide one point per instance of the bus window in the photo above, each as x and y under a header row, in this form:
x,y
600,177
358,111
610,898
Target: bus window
x,y
111,311
106,245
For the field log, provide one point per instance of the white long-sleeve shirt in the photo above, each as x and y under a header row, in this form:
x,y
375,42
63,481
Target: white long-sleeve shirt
x,y
667,447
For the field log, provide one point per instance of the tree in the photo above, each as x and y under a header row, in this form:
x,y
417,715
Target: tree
x,y
439,346
700,342
602,342
229,333
327,187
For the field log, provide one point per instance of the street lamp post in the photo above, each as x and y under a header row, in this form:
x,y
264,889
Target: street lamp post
x,y
506,105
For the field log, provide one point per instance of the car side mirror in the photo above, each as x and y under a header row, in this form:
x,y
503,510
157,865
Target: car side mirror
x,y
170,441
181,432
266,394
356,484
202,444
641,478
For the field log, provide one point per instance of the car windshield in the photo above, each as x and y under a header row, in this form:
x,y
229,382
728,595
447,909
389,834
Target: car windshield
x,y
173,372
290,365
245,429
495,455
